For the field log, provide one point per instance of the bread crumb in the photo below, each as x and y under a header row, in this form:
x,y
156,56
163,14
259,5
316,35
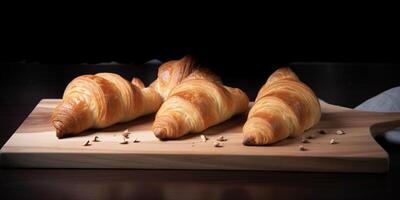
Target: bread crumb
x,y
221,139
302,148
96,139
217,144
124,141
333,141
86,143
135,140
203,138
340,132
126,133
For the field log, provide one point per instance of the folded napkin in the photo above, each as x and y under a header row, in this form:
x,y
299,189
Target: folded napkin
x,y
387,101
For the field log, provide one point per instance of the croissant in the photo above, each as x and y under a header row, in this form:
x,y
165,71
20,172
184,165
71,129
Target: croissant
x,y
198,102
101,100
284,107
171,73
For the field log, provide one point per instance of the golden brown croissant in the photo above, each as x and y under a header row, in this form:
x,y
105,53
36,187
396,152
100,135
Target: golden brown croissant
x,y
171,73
101,100
198,102
284,107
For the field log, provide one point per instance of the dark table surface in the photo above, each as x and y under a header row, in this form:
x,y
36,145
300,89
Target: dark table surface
x,y
23,85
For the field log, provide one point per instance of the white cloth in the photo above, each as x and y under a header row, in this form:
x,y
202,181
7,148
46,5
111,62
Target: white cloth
x,y
387,101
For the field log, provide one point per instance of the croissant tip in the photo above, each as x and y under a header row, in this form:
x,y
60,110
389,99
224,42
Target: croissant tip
x,y
249,141
59,130
160,133
60,135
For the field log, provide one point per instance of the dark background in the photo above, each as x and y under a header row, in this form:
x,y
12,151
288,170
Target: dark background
x,y
344,59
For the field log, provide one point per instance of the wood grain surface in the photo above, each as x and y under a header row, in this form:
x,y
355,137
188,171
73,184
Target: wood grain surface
x,y
35,145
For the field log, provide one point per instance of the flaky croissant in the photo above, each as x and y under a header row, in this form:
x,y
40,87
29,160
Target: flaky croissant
x,y
101,100
198,102
171,73
284,107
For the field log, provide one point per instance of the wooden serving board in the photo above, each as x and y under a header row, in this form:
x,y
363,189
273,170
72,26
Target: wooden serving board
x,y
35,145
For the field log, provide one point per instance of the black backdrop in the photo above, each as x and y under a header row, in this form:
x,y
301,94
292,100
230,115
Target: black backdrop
x,y
340,70
345,59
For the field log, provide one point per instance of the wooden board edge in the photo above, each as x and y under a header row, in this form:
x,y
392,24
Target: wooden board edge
x,y
198,162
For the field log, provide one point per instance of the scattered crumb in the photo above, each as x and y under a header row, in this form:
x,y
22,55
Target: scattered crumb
x,y
322,131
203,138
221,139
302,148
96,139
124,141
135,140
86,143
340,132
333,141
126,133
304,140
217,144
